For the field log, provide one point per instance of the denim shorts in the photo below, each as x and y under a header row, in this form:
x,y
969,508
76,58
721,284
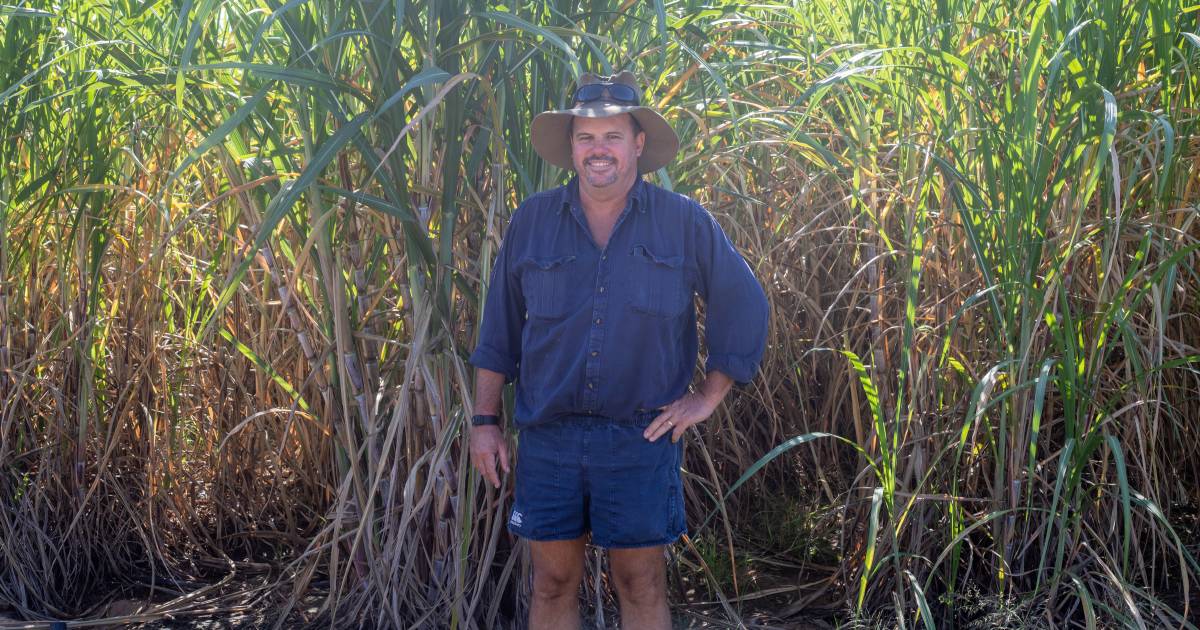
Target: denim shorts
x,y
596,474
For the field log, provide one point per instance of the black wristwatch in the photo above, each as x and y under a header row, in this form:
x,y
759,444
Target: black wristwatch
x,y
480,420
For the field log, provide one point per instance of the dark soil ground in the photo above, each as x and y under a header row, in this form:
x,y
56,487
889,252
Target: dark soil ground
x,y
224,611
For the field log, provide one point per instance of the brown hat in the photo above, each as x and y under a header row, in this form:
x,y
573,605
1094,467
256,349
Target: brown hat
x,y
549,130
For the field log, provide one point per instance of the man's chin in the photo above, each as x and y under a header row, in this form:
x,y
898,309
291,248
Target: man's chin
x,y
600,181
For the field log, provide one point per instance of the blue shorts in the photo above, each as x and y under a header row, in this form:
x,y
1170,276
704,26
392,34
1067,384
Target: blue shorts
x,y
598,474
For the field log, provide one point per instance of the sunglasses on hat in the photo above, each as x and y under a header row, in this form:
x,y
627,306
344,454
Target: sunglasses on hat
x,y
617,92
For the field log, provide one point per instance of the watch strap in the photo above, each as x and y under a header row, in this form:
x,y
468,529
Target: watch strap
x,y
479,420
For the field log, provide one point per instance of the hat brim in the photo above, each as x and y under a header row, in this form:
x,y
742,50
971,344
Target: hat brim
x,y
548,133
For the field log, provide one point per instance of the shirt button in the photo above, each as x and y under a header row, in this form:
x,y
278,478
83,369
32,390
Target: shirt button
x,y
591,386
602,289
598,320
595,353
603,256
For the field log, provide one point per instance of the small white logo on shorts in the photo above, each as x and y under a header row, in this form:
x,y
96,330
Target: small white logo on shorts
x,y
515,521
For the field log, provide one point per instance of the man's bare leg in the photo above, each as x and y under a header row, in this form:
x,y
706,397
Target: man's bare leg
x,y
641,579
557,571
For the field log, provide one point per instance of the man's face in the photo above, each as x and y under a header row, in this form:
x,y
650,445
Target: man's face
x,y
605,150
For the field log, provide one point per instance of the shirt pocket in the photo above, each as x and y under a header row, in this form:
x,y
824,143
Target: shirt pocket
x,y
659,285
544,281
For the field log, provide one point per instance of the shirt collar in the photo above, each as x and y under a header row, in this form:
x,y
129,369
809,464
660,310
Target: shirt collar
x,y
637,194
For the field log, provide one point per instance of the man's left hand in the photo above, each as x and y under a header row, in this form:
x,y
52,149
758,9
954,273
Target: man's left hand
x,y
676,417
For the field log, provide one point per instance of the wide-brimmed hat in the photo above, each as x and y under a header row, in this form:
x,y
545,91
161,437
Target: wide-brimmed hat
x,y
549,130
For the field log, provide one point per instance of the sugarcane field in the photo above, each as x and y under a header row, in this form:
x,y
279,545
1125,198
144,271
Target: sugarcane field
x,y
447,314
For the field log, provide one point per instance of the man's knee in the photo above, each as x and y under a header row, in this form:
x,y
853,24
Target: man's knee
x,y
556,580
557,568
643,581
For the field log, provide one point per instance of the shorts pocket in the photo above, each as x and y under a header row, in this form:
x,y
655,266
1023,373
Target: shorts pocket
x,y
544,284
661,289
549,501
677,518
636,491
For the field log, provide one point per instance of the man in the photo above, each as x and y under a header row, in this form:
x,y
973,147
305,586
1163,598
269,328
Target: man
x,y
591,311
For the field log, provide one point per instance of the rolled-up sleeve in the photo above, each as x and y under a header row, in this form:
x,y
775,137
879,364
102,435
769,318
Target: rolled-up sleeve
x,y
499,345
736,310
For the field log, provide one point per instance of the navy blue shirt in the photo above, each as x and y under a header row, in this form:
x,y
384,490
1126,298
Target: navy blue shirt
x,y
610,332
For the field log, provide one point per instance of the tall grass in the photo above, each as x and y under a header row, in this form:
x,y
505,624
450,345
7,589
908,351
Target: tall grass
x,y
243,245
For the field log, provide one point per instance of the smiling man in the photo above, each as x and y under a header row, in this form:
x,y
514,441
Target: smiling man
x,y
591,312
